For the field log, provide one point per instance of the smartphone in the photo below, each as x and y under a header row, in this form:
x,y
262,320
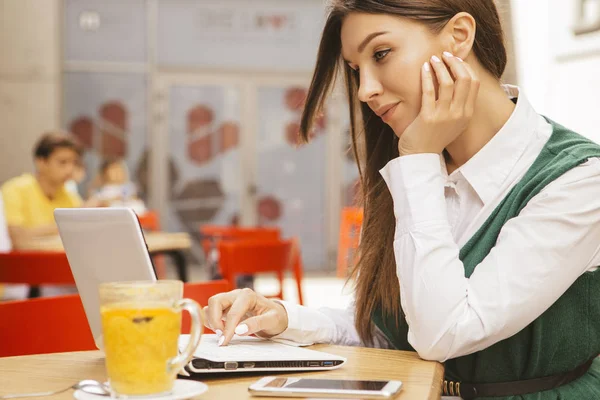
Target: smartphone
x,y
330,388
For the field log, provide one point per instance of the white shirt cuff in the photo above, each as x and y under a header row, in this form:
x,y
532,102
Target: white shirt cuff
x,y
294,332
416,183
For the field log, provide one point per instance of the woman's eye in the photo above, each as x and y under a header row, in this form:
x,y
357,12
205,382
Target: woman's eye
x,y
380,55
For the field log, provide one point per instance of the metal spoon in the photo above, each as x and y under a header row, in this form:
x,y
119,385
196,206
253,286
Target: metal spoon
x,y
87,385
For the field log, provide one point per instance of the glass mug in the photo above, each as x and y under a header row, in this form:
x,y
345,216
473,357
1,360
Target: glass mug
x,y
141,323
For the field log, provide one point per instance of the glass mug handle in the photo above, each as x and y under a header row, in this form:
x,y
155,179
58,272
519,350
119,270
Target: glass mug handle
x,y
176,364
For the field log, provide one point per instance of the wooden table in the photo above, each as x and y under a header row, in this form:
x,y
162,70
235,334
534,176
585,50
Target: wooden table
x,y
421,379
158,242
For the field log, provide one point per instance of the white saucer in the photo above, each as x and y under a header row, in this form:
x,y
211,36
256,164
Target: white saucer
x,y
182,389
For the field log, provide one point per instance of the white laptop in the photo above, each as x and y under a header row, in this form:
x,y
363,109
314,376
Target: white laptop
x,y
107,245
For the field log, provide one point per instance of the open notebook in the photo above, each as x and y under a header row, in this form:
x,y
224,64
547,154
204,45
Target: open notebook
x,y
107,245
246,354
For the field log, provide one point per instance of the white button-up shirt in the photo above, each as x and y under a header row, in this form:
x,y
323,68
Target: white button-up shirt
x,y
538,255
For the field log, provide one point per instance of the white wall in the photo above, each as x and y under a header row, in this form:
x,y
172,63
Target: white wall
x,y
29,79
558,72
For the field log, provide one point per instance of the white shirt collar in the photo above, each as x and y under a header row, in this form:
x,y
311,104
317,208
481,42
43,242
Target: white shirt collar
x,y
487,170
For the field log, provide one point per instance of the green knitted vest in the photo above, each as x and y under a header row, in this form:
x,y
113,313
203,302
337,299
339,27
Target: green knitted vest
x,y
563,337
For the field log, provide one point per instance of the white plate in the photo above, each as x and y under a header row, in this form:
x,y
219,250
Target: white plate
x,y
182,389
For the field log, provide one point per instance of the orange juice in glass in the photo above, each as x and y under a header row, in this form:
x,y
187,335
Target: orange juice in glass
x,y
141,323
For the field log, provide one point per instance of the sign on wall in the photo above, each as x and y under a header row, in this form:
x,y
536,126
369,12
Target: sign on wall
x,y
258,34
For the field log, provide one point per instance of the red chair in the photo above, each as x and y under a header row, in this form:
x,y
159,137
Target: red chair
x,y
240,231
35,268
150,221
215,234
350,226
252,257
201,292
46,325
58,324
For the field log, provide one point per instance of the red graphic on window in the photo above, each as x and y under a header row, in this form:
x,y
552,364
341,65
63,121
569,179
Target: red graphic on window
x,y
292,133
204,141
321,123
107,133
113,129
83,129
274,21
200,117
199,148
269,208
294,100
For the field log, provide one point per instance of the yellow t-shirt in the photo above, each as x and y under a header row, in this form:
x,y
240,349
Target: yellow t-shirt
x,y
26,205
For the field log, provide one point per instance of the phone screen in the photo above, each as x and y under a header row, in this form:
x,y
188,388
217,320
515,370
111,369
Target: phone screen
x,y
330,384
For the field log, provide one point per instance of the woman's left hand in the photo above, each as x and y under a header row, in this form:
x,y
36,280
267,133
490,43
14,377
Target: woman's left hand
x,y
441,121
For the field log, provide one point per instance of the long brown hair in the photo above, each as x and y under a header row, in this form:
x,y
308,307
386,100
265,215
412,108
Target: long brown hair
x,y
375,273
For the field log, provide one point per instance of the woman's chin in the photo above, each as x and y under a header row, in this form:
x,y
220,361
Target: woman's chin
x,y
398,127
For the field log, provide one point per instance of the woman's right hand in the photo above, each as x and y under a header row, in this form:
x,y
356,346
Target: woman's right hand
x,y
244,312
446,116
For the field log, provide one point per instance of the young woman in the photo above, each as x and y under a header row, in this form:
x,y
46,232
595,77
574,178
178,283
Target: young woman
x,y
481,237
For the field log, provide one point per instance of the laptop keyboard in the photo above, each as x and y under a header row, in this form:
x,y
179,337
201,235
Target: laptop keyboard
x,y
247,348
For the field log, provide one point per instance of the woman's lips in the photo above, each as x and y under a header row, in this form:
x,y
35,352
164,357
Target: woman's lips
x,y
388,114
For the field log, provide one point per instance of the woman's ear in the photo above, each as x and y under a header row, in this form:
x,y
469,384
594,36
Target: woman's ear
x,y
461,32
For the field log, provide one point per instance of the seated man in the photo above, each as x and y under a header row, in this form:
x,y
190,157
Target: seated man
x,y
30,200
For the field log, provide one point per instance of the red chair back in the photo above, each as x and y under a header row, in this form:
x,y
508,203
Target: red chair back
x,y
251,257
349,237
35,268
58,324
46,325
149,220
201,292
241,232
219,233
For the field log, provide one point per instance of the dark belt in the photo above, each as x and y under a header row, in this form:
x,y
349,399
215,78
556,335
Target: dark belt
x,y
470,391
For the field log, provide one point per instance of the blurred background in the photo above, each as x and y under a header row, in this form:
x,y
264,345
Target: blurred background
x,y
202,100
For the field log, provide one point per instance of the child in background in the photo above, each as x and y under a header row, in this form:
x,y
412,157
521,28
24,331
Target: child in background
x,y
114,188
79,174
